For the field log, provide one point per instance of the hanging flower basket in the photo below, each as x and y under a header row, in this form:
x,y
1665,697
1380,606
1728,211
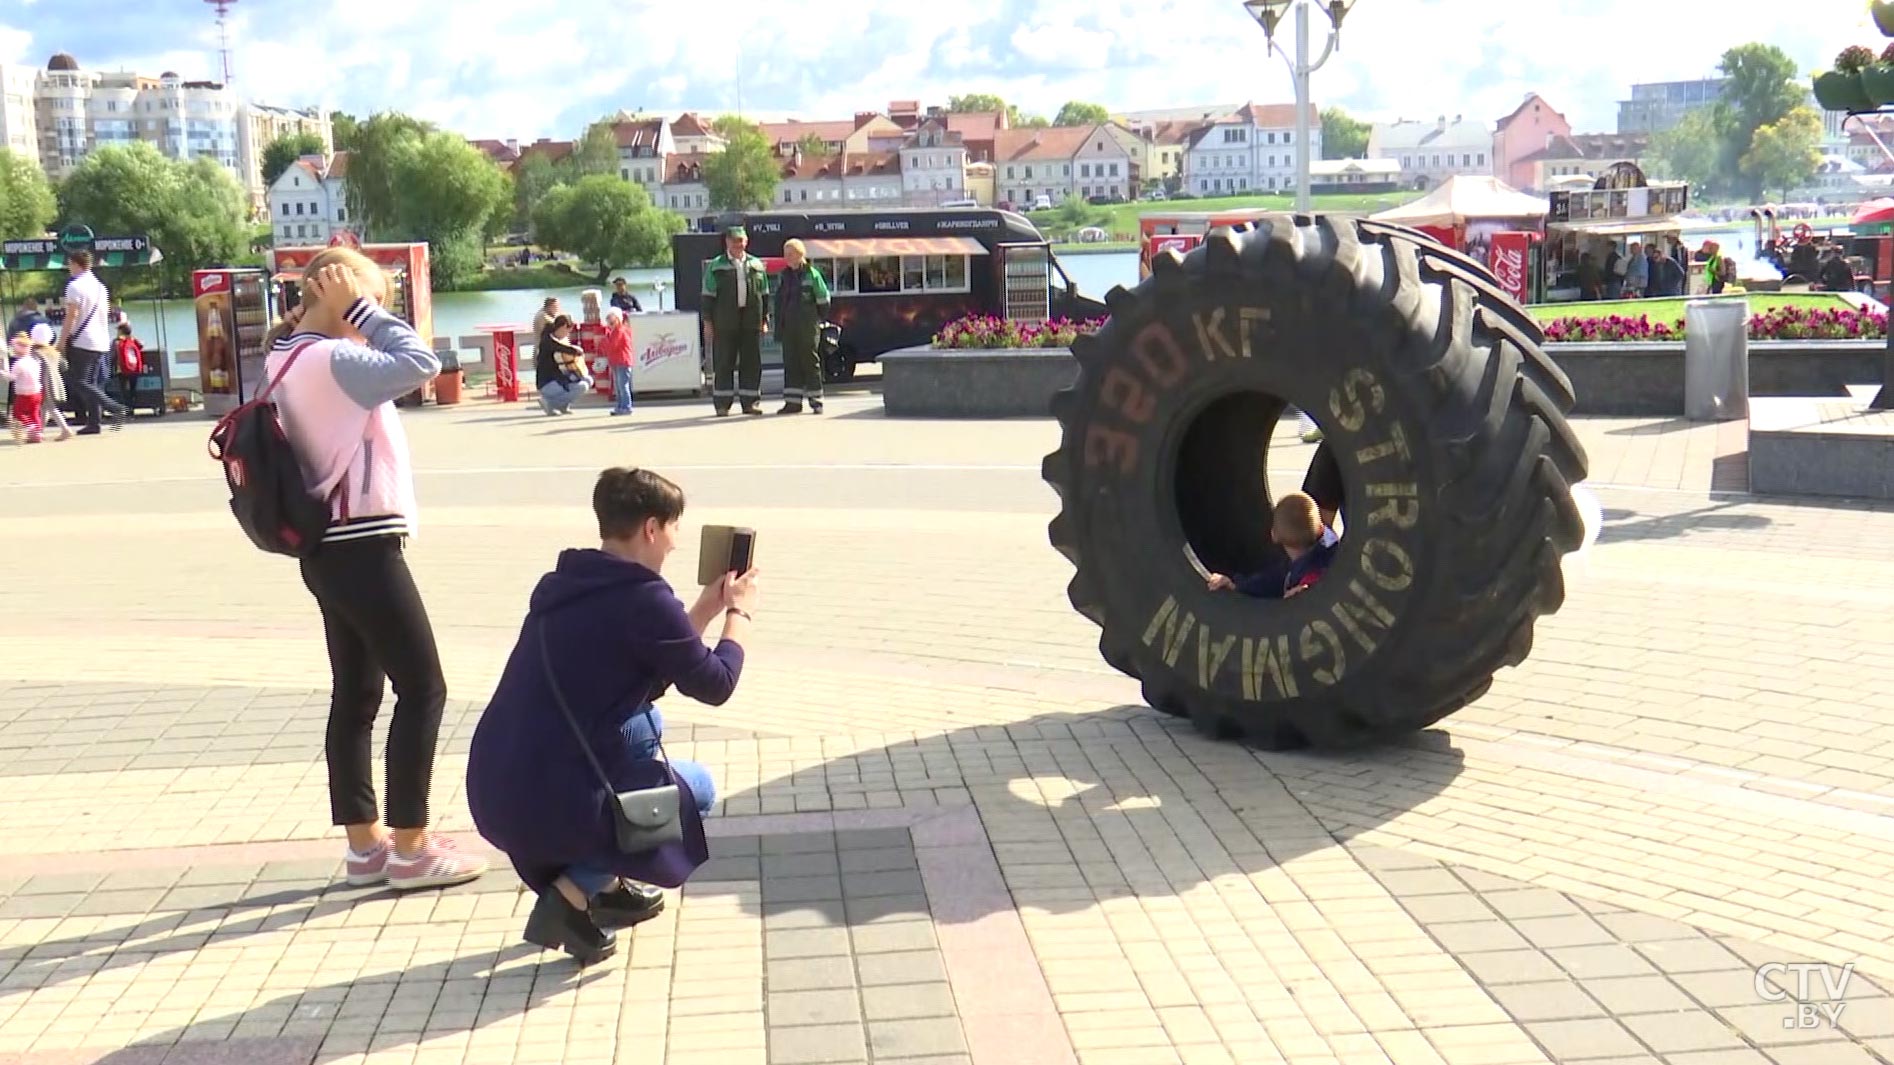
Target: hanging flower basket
x,y
1877,84
1837,91
1884,17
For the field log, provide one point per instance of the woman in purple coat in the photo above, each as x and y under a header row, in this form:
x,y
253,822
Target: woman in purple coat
x,y
618,637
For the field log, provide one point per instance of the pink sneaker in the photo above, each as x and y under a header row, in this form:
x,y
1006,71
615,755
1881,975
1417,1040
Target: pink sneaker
x,y
368,868
440,863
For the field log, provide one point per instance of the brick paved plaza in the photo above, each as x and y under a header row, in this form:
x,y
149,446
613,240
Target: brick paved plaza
x,y
949,833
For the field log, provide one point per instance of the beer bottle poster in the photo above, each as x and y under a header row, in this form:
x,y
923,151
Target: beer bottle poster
x,y
215,326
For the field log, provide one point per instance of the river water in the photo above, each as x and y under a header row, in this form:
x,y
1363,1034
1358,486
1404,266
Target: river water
x,y
457,313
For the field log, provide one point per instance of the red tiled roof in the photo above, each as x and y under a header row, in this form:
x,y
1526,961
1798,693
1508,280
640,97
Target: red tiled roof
x,y
498,151
553,150
1531,98
1277,116
1601,147
976,125
684,166
1028,145
689,125
644,133
339,165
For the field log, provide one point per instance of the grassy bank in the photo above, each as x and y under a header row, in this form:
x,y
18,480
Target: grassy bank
x,y
1095,248
546,275
1670,309
1122,218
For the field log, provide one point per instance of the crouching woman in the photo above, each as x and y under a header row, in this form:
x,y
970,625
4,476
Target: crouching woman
x,y
604,636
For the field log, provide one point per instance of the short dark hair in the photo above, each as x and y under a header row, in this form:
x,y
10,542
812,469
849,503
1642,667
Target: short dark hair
x,y
626,497
80,259
559,321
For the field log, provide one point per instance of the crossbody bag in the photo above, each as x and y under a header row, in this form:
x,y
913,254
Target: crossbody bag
x,y
643,819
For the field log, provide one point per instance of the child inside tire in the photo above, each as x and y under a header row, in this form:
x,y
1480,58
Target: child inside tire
x,y
1310,545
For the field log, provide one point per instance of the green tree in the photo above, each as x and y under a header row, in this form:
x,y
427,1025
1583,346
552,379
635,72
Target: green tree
x,y
1343,135
979,102
342,127
594,153
743,176
1024,121
193,212
813,144
533,178
286,149
1786,153
27,206
606,222
1691,151
1764,86
1080,113
373,187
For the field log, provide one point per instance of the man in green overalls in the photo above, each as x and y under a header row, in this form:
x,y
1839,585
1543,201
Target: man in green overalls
x,y
802,301
736,314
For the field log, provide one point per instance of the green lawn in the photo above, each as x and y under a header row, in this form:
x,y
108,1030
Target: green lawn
x,y
1671,309
1121,219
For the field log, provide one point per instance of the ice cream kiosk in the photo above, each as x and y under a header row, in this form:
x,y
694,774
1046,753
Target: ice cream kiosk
x,y
410,286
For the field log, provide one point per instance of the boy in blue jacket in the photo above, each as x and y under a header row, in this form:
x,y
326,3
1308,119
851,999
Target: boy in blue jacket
x,y
1308,544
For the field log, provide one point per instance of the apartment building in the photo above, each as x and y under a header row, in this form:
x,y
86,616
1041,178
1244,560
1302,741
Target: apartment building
x,y
308,203
19,125
1251,149
1432,152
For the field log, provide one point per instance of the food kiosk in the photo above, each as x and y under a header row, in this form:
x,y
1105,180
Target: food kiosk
x,y
1482,217
1620,207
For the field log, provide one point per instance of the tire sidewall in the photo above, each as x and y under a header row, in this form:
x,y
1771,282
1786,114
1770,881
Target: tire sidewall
x,y
1317,346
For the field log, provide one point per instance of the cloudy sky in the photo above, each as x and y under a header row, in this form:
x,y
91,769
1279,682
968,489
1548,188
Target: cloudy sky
x,y
487,68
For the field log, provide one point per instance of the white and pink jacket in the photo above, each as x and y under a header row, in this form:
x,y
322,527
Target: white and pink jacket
x,y
336,403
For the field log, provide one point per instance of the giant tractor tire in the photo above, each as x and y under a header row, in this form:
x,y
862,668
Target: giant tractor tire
x,y
1446,420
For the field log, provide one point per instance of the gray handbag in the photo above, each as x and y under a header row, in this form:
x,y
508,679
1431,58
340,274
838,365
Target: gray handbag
x,y
644,819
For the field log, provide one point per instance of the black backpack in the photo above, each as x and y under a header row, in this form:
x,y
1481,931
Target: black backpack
x,y
267,492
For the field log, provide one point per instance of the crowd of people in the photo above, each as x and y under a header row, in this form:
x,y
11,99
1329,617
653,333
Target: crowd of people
x,y
741,305
89,356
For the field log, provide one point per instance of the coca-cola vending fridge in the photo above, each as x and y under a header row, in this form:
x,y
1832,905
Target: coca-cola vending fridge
x,y
1513,256
233,316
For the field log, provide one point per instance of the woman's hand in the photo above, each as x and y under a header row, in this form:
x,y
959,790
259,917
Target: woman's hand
x,y
739,592
335,283
1220,583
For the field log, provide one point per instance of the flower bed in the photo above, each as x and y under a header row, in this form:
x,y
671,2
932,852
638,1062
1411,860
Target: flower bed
x,y
982,332
1782,323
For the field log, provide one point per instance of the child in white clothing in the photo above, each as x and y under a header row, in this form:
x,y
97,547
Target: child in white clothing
x,y
23,371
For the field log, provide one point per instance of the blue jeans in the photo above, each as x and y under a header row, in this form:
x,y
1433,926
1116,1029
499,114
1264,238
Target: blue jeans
x,y
557,396
641,733
621,390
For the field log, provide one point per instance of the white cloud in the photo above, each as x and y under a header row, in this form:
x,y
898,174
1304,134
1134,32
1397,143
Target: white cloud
x,y
498,68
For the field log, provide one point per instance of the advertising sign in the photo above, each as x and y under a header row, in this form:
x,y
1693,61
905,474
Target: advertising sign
x,y
665,353
1507,259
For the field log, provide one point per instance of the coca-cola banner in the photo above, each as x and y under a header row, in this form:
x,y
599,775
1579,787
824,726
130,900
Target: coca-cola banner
x,y
1508,253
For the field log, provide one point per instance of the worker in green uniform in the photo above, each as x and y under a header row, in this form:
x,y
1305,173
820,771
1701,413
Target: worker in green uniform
x,y
802,302
736,310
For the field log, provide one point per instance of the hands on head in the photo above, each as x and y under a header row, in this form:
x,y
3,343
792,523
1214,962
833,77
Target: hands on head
x,y
335,286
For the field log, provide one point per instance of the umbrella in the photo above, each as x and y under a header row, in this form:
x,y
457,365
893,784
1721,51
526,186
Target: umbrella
x,y
1881,210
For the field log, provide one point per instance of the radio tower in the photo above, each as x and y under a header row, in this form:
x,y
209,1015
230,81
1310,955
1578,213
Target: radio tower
x,y
222,8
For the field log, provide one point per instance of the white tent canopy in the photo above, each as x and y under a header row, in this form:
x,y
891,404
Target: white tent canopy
x,y
1464,198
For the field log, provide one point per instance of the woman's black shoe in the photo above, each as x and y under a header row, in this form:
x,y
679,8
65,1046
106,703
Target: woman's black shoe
x,y
556,924
626,905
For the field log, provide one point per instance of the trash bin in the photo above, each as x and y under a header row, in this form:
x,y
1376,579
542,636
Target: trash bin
x,y
1716,359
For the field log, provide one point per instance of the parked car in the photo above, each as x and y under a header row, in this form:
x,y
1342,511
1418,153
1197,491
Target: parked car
x,y
1043,203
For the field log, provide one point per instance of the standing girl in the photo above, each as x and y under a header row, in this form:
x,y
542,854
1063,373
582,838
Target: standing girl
x,y
336,377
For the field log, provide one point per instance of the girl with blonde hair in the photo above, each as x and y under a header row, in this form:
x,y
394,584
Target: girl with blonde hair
x,y
335,369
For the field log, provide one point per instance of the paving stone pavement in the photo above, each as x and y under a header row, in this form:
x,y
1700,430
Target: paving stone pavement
x,y
946,831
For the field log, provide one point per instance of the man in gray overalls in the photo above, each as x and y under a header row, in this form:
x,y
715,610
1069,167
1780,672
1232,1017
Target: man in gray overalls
x,y
736,314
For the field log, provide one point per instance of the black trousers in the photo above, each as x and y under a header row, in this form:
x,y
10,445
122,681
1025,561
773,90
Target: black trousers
x,y
376,627
82,383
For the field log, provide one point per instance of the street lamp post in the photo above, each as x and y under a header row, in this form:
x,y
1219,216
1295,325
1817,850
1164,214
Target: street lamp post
x,y
1269,14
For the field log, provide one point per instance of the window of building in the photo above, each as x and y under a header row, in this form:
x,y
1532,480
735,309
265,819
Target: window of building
x,y
286,210
1114,170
